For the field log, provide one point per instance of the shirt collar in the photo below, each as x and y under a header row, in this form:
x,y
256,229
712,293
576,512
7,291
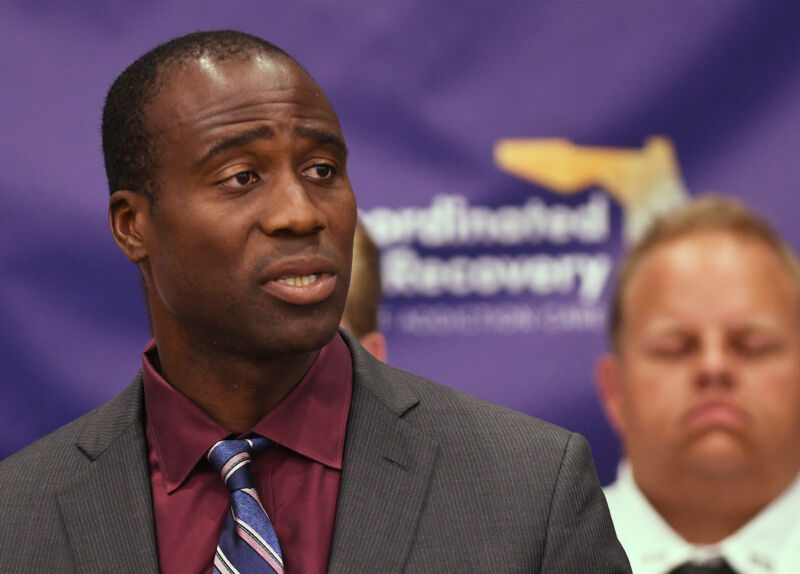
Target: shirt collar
x,y
311,420
758,546
654,547
651,544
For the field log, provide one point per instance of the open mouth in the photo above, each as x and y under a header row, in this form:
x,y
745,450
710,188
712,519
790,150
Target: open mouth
x,y
305,289
299,280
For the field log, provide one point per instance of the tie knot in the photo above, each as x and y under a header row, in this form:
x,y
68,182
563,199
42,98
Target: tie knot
x,y
718,566
231,457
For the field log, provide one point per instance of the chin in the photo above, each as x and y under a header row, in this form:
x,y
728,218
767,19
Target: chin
x,y
720,458
302,336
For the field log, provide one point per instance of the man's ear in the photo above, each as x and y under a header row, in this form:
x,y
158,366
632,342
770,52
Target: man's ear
x,y
608,383
375,343
129,217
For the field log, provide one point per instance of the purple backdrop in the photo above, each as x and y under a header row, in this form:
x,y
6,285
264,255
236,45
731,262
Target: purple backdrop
x,y
498,278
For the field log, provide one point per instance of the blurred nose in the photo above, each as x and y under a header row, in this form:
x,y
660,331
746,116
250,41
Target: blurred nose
x,y
290,209
714,367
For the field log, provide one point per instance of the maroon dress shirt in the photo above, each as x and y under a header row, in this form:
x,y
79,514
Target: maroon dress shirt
x,y
297,479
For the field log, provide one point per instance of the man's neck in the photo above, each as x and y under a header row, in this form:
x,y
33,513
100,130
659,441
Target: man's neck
x,y
704,510
234,391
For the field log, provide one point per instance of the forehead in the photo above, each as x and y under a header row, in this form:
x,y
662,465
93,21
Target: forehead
x,y
201,98
711,276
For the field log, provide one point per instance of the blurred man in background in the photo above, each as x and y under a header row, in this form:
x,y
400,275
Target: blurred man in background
x,y
362,310
703,388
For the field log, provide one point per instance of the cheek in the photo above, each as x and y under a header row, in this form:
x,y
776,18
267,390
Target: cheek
x,y
341,217
196,256
654,395
772,392
342,211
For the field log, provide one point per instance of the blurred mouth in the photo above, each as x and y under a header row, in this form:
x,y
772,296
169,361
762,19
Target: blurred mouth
x,y
714,414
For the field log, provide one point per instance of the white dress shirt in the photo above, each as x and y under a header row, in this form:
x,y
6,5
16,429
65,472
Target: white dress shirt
x,y
767,544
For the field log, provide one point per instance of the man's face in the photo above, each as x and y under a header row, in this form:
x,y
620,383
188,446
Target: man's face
x,y
249,245
707,379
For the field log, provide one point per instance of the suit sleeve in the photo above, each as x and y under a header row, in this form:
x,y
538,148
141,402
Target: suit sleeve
x,y
580,534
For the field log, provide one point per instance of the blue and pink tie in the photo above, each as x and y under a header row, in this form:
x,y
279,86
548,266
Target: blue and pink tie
x,y
247,544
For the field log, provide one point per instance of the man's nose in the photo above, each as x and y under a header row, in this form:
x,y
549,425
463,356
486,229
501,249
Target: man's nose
x,y
714,368
291,209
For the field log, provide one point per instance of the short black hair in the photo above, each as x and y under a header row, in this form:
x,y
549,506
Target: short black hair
x,y
130,149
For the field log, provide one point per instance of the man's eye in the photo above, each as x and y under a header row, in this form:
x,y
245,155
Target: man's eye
x,y
671,348
755,346
320,172
243,178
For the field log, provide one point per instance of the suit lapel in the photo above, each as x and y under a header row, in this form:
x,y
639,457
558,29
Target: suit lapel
x,y
107,509
387,469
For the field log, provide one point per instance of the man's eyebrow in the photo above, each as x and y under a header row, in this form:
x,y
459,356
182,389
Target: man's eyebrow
x,y
262,132
321,137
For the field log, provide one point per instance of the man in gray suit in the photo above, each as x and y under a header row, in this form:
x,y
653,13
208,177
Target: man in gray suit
x,y
229,190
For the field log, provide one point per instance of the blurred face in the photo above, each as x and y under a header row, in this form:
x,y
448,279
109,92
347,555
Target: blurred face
x,y
249,245
707,379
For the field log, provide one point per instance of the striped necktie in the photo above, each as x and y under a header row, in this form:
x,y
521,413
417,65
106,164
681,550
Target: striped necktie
x,y
247,544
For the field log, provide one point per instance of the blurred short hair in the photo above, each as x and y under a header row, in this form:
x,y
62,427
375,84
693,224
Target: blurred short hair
x,y
709,213
361,312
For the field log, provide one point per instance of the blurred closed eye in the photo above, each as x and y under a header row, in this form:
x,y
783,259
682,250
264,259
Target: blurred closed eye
x,y
755,343
674,346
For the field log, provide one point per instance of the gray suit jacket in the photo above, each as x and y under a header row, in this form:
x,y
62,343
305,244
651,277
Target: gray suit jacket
x,y
433,481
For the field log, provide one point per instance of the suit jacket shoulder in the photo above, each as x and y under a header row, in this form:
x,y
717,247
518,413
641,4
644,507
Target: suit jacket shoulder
x,y
480,486
64,494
